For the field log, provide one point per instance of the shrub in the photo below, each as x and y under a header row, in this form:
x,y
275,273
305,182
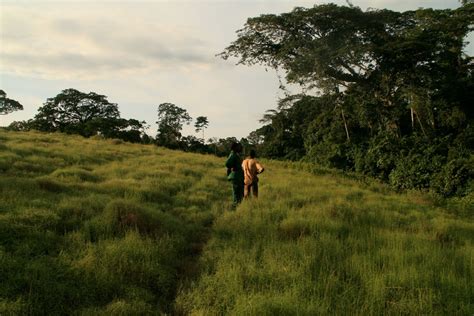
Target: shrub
x,y
17,307
415,171
454,177
378,157
331,155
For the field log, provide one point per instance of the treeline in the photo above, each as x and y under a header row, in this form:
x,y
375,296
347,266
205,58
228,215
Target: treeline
x,y
392,93
86,114
91,114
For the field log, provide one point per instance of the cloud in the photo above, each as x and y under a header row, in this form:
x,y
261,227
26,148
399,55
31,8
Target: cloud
x,y
90,42
86,40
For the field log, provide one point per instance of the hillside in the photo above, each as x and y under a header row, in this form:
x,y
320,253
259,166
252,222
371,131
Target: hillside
x,y
91,226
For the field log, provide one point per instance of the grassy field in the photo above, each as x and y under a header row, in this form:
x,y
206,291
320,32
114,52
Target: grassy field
x,y
91,226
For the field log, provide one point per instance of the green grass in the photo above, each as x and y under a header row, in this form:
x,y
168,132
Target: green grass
x,y
328,245
90,226
99,227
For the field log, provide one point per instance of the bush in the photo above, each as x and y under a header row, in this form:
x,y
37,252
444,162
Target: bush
x,y
415,171
331,155
454,177
17,307
378,157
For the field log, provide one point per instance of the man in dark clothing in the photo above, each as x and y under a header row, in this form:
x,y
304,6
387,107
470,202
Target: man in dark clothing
x,y
235,173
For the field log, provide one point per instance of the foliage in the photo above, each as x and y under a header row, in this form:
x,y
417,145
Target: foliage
x,y
21,125
455,178
221,146
387,81
7,105
193,144
201,124
86,114
170,123
75,112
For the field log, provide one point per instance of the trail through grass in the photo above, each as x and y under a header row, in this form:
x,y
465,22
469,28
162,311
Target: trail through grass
x,y
93,226
328,245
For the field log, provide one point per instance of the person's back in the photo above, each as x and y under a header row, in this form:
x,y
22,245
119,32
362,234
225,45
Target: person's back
x,y
251,168
235,173
234,164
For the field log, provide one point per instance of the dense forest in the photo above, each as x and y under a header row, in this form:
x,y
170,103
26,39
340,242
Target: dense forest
x,y
386,94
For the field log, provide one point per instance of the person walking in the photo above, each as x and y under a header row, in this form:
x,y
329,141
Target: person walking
x,y
235,174
251,168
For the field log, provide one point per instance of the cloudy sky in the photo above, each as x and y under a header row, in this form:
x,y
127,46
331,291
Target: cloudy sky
x,y
143,53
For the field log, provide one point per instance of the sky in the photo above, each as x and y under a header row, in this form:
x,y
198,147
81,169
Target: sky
x,y
144,53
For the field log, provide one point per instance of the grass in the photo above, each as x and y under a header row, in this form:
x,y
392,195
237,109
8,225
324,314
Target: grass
x,y
95,227
329,245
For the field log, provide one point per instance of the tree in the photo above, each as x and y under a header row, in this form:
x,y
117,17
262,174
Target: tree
x,y
170,123
377,54
86,114
7,105
130,130
221,147
255,138
20,126
193,144
394,90
77,112
201,124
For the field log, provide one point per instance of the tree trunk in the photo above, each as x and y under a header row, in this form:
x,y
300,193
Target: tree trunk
x,y
419,122
345,125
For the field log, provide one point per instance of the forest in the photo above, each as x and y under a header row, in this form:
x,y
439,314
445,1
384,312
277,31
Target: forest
x,y
394,92
384,94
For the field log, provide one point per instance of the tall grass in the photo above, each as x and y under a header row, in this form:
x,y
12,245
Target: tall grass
x,y
95,226
99,227
328,245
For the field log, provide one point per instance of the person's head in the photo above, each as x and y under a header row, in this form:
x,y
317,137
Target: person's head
x,y
253,153
236,147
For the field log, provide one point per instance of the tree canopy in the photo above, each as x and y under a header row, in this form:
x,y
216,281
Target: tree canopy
x,y
76,112
86,114
170,123
201,124
330,46
7,105
390,87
